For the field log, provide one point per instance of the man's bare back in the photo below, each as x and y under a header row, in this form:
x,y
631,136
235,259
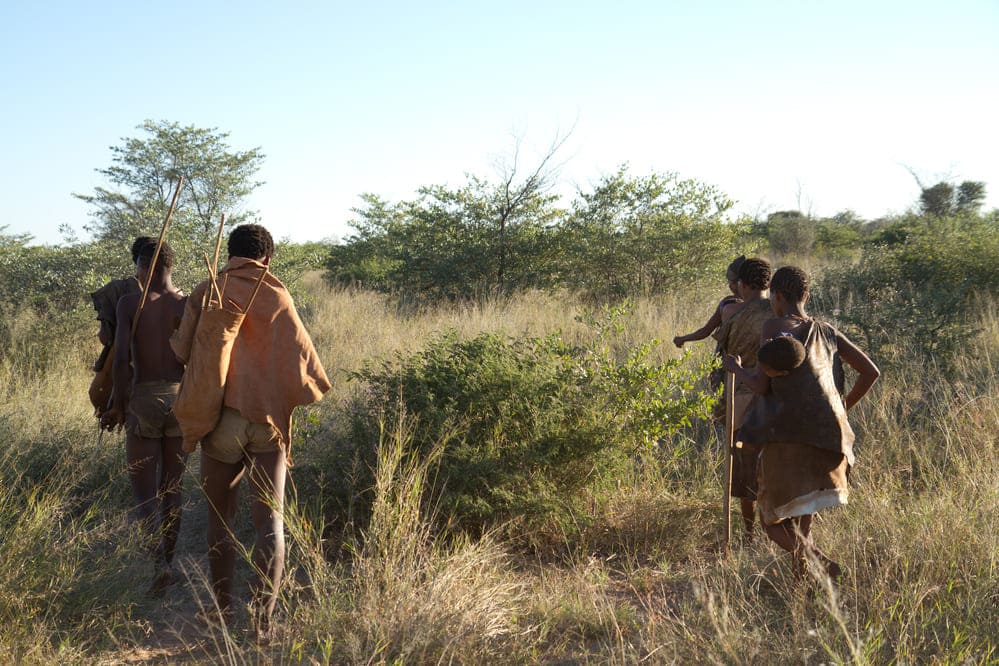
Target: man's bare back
x,y
152,358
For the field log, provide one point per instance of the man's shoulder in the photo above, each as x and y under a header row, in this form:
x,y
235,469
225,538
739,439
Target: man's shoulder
x,y
130,300
115,289
755,310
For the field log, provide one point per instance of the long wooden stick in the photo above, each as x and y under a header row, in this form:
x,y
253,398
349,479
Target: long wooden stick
x,y
218,247
149,275
213,287
729,452
156,254
253,296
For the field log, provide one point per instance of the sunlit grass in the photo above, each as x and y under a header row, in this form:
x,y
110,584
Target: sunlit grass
x,y
641,580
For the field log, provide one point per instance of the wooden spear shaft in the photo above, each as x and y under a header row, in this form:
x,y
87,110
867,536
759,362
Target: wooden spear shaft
x,y
152,264
729,452
218,247
156,254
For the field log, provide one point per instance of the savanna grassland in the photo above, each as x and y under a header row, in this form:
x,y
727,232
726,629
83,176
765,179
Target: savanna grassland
x,y
514,465
392,562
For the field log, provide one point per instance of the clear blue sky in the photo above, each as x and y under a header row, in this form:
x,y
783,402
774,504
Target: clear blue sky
x,y
817,105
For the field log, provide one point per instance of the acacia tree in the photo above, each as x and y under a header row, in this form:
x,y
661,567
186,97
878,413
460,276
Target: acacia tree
x,y
447,242
516,201
481,238
145,169
943,199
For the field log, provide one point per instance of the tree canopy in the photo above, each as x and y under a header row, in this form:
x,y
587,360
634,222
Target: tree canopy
x,y
144,170
629,235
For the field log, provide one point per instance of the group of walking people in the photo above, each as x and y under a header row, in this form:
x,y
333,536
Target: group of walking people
x,y
792,451
792,447
271,368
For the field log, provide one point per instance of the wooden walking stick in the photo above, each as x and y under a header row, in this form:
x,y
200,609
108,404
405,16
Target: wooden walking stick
x,y
156,253
729,452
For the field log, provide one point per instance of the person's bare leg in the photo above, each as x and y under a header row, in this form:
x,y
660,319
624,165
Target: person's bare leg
x,y
832,568
267,477
171,493
171,498
785,535
748,516
220,482
794,536
142,456
782,534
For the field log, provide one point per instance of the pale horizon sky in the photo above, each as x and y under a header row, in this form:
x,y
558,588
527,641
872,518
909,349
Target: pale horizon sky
x,y
780,105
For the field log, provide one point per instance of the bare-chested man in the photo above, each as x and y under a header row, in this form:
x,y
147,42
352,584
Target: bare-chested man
x,y
146,380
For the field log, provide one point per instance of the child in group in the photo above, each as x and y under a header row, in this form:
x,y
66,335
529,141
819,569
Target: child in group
x,y
799,420
780,355
727,307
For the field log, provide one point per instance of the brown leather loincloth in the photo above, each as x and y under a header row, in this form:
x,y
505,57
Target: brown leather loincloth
x,y
234,437
151,404
797,480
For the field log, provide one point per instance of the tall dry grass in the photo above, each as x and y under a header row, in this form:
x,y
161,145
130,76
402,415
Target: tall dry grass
x,y
405,596
641,581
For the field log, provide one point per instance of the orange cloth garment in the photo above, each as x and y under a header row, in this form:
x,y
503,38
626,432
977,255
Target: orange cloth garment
x,y
274,366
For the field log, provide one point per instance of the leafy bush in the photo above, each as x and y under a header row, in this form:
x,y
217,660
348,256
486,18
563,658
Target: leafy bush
x,y
628,236
912,289
646,235
45,307
527,422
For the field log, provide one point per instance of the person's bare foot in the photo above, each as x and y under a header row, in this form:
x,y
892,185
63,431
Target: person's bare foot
x,y
263,632
834,570
164,578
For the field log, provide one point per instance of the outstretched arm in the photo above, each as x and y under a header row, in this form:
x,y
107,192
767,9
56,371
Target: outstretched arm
x,y
701,333
867,372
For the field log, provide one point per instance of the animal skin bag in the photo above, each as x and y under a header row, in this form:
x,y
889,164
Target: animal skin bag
x,y
207,353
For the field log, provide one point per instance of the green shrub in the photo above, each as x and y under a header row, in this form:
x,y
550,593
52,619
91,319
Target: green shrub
x,y
528,422
912,289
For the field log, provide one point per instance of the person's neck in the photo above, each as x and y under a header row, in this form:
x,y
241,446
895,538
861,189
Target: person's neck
x,y
750,295
161,283
796,311
260,260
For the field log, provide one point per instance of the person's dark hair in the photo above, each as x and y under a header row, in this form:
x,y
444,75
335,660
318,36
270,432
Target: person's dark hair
x,y
251,241
163,263
790,282
140,243
755,273
783,353
732,273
